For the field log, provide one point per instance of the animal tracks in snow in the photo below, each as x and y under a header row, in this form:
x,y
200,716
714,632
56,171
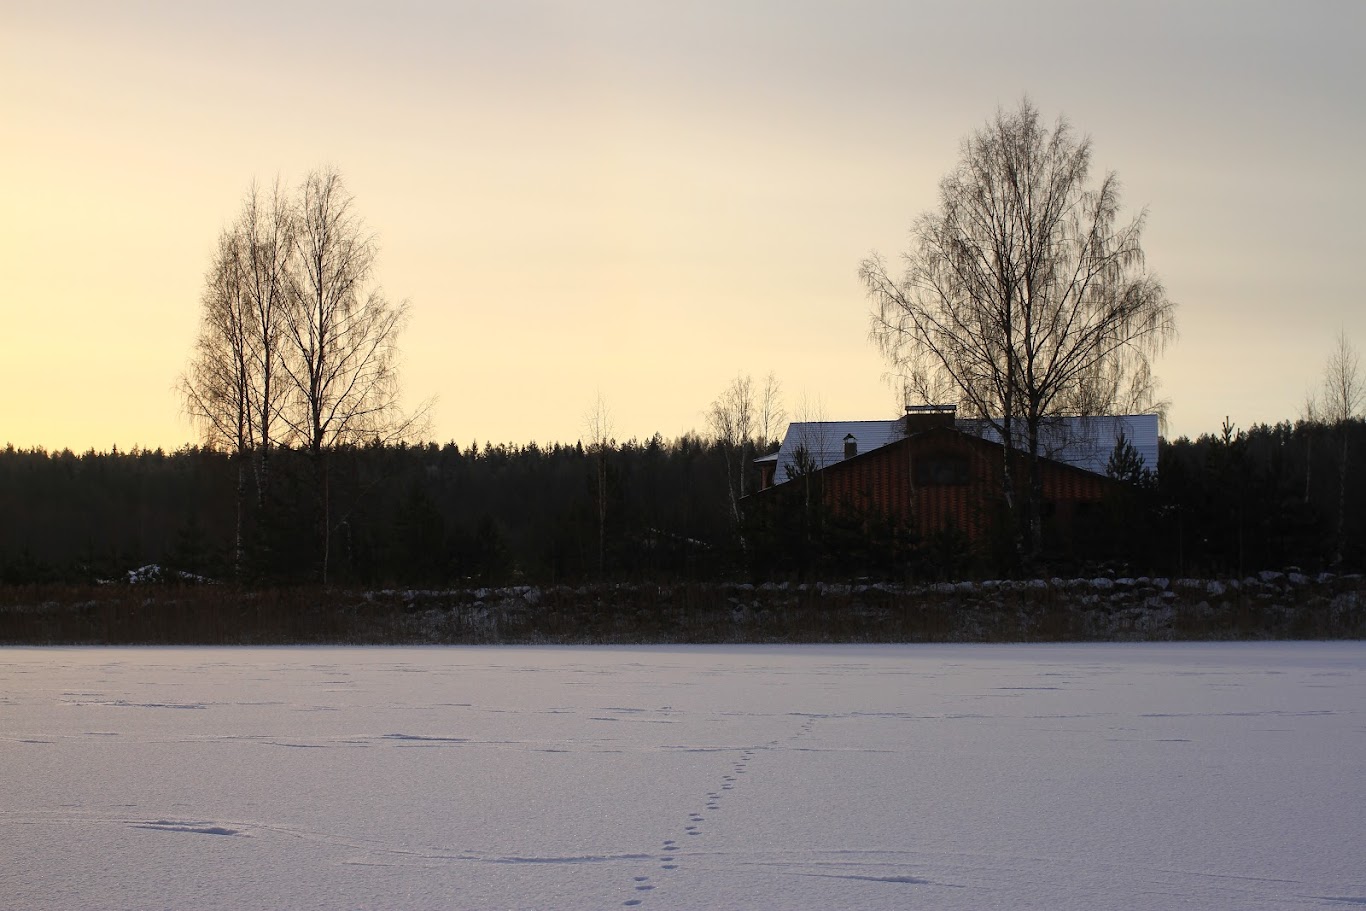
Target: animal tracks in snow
x,y
695,827
731,776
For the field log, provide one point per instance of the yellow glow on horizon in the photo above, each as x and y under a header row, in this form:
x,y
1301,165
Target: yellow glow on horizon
x,y
642,201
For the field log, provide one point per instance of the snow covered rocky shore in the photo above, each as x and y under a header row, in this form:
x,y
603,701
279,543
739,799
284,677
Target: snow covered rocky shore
x,y
1269,605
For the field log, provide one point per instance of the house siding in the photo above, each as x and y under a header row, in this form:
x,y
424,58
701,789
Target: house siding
x,y
960,484
1084,442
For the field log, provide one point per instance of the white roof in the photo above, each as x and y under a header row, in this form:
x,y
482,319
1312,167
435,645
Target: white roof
x,y
824,440
1084,442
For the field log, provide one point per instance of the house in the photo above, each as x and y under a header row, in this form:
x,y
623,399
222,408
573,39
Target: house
x,y
931,471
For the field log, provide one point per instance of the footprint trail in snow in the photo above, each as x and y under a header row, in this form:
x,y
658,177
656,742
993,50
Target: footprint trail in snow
x,y
669,852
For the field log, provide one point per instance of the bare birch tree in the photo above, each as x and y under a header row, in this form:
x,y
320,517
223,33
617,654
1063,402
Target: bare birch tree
x,y
1343,395
1309,419
297,344
232,388
772,413
732,418
341,331
741,419
598,427
340,336
1023,292
217,387
1343,389
265,230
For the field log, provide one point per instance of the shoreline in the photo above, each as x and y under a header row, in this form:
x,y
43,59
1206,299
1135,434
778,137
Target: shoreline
x,y
1268,606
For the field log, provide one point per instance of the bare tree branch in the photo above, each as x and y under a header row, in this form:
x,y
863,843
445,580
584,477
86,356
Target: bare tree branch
x,y
1023,293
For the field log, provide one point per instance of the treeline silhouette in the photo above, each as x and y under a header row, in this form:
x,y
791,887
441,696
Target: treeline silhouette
x,y
1227,503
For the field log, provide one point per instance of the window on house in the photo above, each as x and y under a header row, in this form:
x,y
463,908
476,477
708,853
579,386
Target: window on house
x,y
941,470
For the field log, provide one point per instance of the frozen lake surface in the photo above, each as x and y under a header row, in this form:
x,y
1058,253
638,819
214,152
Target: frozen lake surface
x,y
1226,776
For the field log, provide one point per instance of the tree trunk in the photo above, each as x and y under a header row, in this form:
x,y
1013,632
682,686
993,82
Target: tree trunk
x,y
261,468
1308,461
602,509
1010,457
326,508
1035,498
1345,430
240,496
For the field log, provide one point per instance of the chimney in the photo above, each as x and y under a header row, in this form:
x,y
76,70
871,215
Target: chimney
x,y
925,417
850,446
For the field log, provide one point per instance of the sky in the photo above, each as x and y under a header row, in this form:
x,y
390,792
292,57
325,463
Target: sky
x,y
640,201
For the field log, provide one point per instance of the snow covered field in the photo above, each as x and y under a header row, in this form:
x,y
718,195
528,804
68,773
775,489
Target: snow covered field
x,y
1226,776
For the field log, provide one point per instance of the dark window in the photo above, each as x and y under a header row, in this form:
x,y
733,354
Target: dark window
x,y
941,469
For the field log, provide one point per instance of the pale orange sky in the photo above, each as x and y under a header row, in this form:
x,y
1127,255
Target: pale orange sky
x,y
645,199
